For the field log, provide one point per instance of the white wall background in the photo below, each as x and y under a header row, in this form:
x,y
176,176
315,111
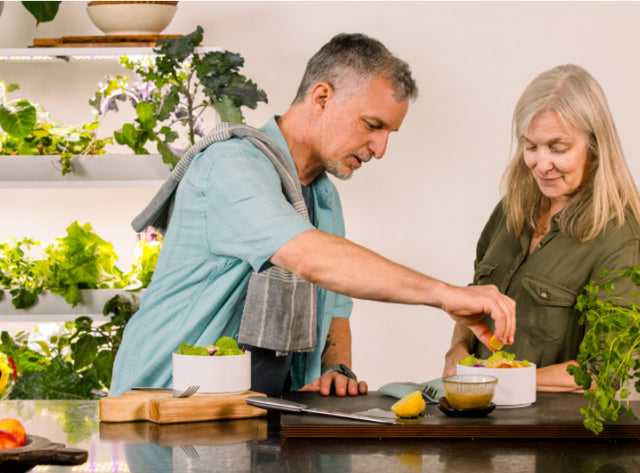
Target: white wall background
x,y
425,203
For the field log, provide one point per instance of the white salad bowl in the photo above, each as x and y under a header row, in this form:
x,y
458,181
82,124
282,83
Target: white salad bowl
x,y
516,386
214,374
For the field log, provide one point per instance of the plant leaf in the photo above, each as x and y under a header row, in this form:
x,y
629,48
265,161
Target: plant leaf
x,y
42,11
182,47
228,110
85,352
144,111
18,120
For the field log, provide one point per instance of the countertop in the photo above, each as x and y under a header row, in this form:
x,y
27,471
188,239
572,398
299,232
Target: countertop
x,y
258,445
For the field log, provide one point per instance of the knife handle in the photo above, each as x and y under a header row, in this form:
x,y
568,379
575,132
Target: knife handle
x,y
275,404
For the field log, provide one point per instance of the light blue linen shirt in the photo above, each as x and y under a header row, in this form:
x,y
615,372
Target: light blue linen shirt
x,y
230,217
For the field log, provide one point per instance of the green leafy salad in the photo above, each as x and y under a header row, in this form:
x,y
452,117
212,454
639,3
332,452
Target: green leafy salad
x,y
500,359
223,347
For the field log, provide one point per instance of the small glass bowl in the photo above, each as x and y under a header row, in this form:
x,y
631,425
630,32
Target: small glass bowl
x,y
469,391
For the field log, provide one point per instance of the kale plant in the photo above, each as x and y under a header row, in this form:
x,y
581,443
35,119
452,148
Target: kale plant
x,y
175,88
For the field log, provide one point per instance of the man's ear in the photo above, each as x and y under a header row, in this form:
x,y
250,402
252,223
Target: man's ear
x,y
320,95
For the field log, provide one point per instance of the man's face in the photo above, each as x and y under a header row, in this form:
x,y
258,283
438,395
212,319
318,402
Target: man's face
x,y
356,128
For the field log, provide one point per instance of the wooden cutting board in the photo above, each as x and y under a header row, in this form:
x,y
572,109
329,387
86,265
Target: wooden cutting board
x,y
163,408
191,433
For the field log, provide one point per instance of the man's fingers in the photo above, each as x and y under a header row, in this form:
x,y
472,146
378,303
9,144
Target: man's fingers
x,y
484,335
313,386
340,384
502,310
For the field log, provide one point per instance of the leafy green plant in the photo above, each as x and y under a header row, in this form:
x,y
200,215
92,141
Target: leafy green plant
x,y
610,351
16,272
42,11
76,363
79,260
175,89
28,131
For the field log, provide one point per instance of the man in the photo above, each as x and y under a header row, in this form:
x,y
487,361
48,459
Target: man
x,y
231,222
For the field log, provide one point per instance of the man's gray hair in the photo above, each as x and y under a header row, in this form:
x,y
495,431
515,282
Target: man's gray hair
x,y
350,60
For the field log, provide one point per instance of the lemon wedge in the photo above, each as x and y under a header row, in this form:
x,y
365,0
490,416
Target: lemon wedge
x,y
495,344
410,406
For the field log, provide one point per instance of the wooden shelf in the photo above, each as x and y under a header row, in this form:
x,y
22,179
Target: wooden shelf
x,y
88,171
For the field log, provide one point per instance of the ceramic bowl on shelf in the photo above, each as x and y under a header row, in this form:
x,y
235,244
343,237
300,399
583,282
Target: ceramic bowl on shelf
x,y
214,374
131,18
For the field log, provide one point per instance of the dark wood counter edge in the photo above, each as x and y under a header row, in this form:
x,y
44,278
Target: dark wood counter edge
x,y
430,431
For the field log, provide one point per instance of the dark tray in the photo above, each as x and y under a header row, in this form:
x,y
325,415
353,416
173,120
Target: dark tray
x,y
553,415
39,451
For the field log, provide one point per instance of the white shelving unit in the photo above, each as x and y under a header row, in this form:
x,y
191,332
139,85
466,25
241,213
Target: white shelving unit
x,y
53,308
38,173
87,171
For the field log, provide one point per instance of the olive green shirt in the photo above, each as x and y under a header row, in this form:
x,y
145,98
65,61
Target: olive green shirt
x,y
546,283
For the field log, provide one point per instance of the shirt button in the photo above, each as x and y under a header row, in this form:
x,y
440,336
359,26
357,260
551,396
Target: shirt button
x,y
544,295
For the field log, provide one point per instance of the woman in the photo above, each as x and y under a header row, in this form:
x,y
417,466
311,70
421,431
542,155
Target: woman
x,y
569,210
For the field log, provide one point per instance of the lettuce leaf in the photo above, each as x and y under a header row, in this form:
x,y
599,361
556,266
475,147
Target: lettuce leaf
x,y
186,349
469,361
80,260
502,356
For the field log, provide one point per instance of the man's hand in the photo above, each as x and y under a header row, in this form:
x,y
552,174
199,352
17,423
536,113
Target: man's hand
x,y
467,305
337,350
341,384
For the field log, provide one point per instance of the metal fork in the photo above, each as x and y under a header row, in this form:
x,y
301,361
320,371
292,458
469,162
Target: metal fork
x,y
190,391
191,453
430,393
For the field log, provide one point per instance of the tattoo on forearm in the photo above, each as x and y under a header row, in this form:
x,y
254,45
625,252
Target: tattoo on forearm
x,y
328,344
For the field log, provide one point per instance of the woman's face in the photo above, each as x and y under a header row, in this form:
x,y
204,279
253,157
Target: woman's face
x,y
557,156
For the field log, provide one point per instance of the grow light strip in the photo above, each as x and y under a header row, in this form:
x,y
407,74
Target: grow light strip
x,y
79,54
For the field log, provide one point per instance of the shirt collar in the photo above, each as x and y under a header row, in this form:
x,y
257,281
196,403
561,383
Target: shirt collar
x,y
272,130
321,183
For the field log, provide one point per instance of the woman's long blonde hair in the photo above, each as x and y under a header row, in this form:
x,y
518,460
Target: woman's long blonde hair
x,y
608,191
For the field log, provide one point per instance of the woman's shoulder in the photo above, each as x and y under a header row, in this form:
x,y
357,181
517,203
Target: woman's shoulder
x,y
498,216
628,231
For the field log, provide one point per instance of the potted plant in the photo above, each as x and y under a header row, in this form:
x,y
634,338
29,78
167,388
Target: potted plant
x,y
609,356
176,87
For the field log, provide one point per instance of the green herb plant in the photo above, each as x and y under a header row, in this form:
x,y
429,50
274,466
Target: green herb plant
x,y
176,87
27,130
74,364
609,356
